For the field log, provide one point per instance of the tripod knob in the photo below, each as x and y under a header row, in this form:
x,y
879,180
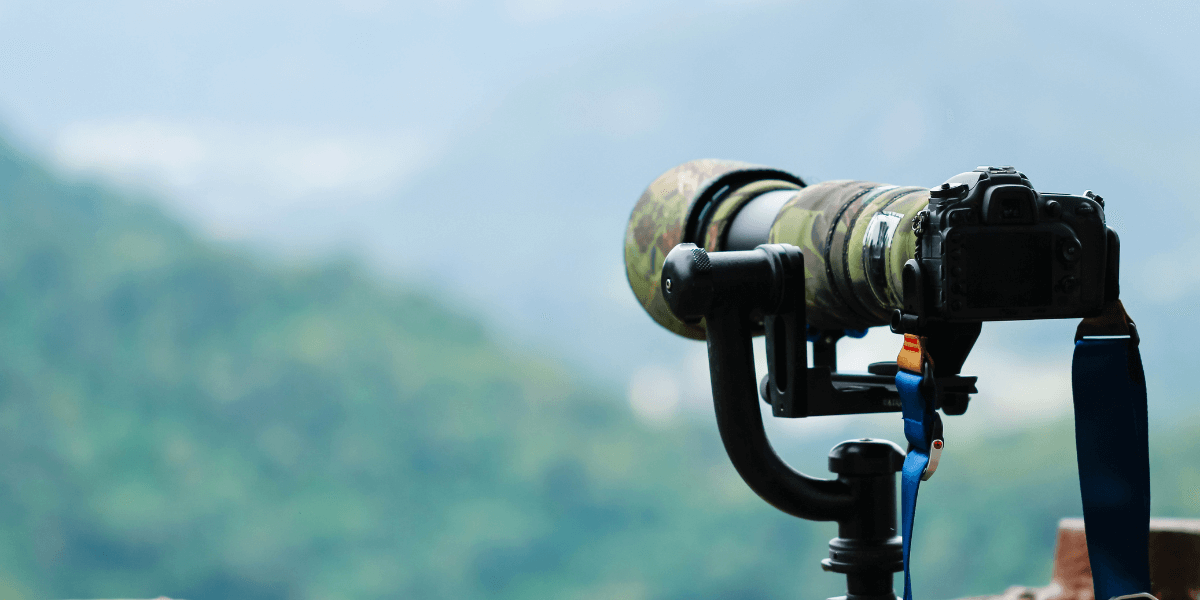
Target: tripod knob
x,y
866,457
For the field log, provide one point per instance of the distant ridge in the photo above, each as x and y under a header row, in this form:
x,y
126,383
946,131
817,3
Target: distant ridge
x,y
180,418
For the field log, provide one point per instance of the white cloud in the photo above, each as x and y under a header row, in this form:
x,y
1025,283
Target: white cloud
x,y
366,7
614,287
541,11
268,168
617,114
170,152
535,11
903,130
1165,278
654,395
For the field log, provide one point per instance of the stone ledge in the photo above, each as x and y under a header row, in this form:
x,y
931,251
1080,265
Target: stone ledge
x,y
1174,564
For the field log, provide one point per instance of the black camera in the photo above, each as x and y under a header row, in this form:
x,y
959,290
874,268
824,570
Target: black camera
x,y
991,248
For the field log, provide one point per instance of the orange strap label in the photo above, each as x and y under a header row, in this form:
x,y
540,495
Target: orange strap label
x,y
911,354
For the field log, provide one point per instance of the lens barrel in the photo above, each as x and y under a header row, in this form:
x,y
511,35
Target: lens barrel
x,y
855,236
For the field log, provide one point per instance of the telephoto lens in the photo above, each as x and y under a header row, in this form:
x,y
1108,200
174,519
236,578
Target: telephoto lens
x,y
856,236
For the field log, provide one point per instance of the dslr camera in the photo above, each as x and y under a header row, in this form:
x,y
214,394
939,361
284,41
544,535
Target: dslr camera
x,y
991,248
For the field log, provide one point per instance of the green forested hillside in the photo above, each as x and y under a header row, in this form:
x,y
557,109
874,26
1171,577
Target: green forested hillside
x,y
178,418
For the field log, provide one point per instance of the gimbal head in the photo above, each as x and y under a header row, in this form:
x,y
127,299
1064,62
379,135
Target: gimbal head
x,y
739,292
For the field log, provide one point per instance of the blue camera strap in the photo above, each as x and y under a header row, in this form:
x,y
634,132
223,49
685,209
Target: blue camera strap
x,y
922,427
1111,439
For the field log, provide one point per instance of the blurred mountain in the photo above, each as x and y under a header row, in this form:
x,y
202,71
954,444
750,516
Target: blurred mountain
x,y
180,417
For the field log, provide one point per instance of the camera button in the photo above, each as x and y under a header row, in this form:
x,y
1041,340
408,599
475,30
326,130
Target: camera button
x,y
1053,209
1070,250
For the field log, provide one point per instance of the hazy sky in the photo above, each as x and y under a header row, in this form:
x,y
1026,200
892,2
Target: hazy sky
x,y
495,149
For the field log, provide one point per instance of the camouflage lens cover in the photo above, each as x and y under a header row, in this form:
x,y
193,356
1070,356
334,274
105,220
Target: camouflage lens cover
x,y
660,221
855,236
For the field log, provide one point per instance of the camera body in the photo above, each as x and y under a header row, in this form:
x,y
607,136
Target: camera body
x,y
991,248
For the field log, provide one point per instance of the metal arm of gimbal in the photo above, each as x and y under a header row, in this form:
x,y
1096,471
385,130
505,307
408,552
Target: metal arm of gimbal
x,y
734,292
735,398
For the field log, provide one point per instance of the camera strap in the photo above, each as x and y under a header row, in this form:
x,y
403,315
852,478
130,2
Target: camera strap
x,y
1112,445
1111,440
923,428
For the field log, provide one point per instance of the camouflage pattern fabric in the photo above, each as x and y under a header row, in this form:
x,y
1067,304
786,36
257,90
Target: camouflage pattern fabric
x,y
714,235
828,222
657,225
